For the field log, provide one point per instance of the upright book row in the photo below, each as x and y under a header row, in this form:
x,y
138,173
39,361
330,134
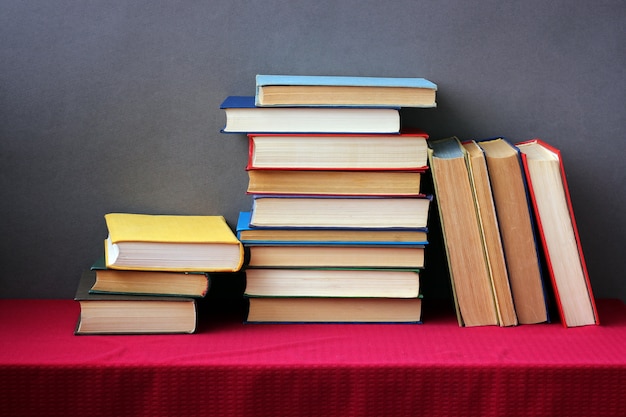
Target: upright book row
x,y
338,225
494,199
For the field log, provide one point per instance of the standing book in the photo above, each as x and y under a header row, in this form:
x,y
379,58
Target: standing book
x,y
242,116
131,314
472,288
171,243
558,232
514,212
316,90
490,230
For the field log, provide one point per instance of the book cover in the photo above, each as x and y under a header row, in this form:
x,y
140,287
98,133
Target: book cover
x,y
552,204
326,236
242,116
517,228
401,151
171,243
301,90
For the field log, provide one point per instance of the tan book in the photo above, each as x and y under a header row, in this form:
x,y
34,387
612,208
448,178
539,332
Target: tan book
x,y
494,252
383,183
469,273
334,310
516,227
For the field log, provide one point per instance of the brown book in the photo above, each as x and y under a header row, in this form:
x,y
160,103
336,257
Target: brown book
x,y
334,310
128,314
112,281
469,273
384,183
490,230
516,227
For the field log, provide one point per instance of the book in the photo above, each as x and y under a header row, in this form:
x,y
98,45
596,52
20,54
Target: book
x,y
470,279
117,281
341,212
514,212
405,151
328,236
317,182
386,283
303,90
545,173
334,310
171,243
335,256
242,116
131,314
490,231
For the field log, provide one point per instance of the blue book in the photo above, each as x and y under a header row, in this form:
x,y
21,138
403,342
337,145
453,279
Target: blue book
x,y
242,116
249,235
314,90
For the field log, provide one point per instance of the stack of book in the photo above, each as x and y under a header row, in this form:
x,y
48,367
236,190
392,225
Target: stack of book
x,y
154,269
338,225
491,196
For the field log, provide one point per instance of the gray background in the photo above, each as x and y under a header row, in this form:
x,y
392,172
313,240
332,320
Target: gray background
x,y
114,106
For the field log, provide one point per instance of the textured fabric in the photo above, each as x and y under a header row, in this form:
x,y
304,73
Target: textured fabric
x,y
228,368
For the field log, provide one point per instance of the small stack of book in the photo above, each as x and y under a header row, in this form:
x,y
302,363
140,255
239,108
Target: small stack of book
x,y
491,196
338,226
154,269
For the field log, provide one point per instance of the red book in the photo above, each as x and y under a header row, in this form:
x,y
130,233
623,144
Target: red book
x,y
558,233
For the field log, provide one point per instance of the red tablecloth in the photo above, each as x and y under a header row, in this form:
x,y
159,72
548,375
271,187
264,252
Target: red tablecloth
x,y
229,368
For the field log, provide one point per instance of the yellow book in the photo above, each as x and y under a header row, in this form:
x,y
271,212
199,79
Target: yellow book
x,y
171,243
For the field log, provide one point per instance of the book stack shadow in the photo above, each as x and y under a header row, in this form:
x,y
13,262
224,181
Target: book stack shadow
x,y
337,231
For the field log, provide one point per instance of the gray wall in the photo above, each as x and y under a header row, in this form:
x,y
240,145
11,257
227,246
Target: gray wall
x,y
114,106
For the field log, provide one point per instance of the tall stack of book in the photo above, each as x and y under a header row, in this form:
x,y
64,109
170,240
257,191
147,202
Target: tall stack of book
x,y
338,226
154,269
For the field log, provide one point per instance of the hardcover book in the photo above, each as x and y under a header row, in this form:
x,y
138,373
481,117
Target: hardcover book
x,y
327,236
385,283
335,256
406,151
490,230
242,116
131,314
117,281
303,90
513,208
334,310
470,279
318,182
171,243
558,231
340,212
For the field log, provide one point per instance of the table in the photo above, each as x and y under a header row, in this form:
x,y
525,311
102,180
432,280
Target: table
x,y
235,369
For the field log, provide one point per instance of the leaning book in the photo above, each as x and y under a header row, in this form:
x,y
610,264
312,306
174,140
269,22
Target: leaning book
x,y
127,314
558,232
